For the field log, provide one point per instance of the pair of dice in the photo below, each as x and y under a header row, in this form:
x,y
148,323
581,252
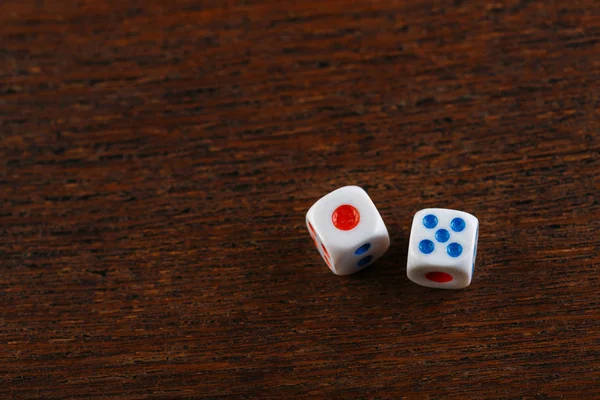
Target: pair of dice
x,y
350,235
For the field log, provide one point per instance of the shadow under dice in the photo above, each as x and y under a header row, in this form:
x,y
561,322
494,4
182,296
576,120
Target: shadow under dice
x,y
347,229
442,248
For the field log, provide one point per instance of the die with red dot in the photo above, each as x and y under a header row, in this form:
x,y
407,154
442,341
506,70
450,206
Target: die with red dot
x,y
347,229
442,248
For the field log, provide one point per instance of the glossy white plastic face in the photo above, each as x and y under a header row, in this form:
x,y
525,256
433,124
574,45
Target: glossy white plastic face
x,y
442,248
348,230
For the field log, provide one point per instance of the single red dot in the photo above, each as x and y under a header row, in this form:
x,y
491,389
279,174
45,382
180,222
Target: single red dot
x,y
345,217
325,250
437,276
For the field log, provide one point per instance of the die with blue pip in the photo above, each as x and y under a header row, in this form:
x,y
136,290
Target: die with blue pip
x,y
347,230
350,235
442,248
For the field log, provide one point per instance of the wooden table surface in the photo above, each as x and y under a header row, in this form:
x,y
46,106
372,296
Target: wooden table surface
x,y
157,159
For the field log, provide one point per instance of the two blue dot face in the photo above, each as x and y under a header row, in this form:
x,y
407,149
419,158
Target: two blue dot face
x,y
362,250
427,246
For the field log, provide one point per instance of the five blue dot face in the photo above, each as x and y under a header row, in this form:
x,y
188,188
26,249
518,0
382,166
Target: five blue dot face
x,y
363,249
426,246
442,235
364,261
454,249
457,224
430,221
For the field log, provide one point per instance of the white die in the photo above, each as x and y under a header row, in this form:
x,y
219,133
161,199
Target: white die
x,y
347,229
442,248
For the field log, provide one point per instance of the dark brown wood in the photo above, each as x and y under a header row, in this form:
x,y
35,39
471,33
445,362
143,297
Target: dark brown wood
x,y
157,159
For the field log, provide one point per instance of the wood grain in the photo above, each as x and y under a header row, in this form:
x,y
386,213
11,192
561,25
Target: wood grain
x,y
157,159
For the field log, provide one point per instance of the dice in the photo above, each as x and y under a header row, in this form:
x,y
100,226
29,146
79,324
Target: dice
x,y
347,229
442,248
